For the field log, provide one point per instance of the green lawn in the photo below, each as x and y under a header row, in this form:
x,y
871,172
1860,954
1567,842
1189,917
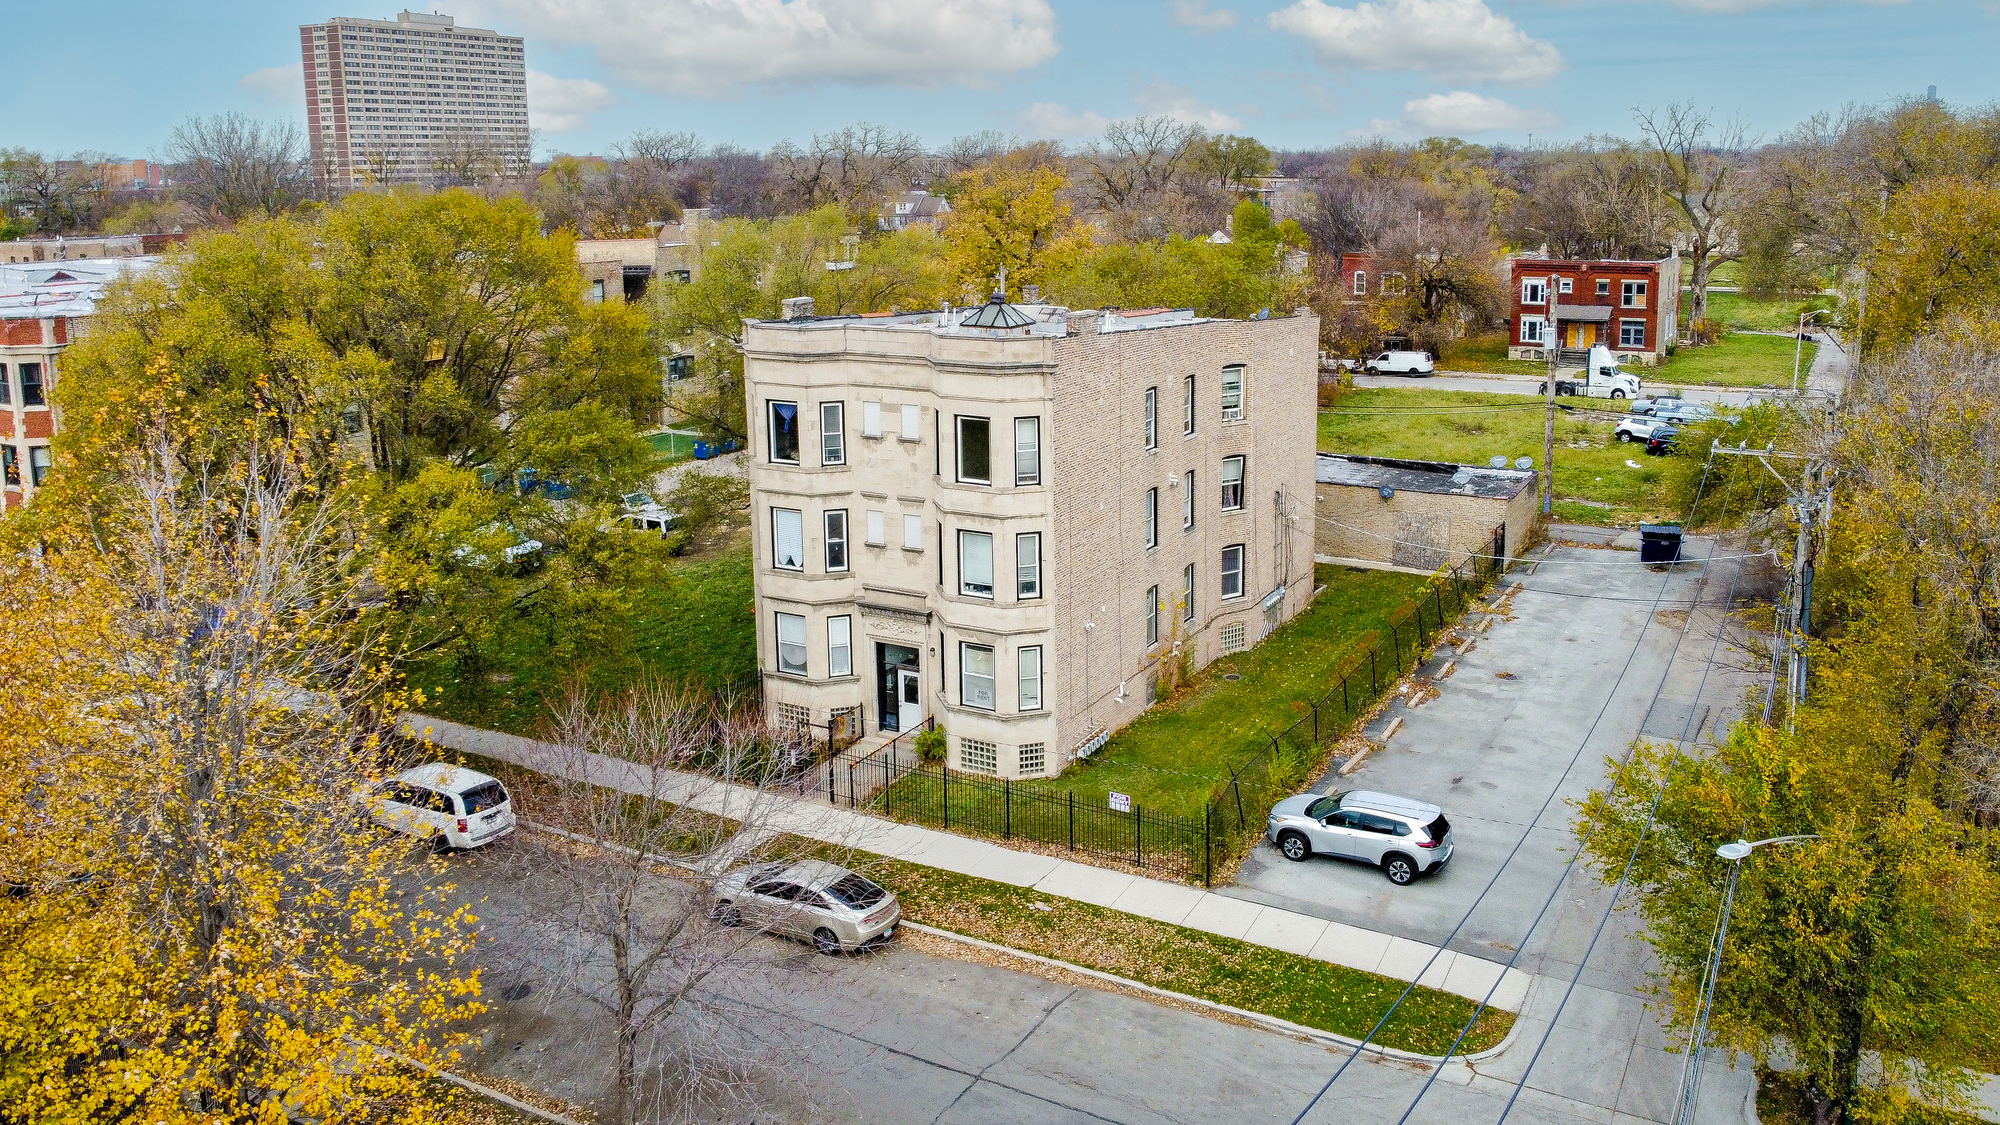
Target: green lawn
x,y
1590,463
1738,360
1487,353
1741,312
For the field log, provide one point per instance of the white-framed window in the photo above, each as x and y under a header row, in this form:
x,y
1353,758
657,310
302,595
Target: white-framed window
x,y
1233,637
1152,418
1604,287
783,430
1532,329
1028,565
788,539
1152,517
836,540
1535,291
1361,283
1564,285
975,564
913,533
1232,484
1187,500
1187,592
1232,393
1027,451
1187,406
1031,678
832,433
977,756
871,419
1032,759
911,417
1394,285
840,646
791,644
1632,295
597,292
1152,616
876,533
975,675
1631,333
975,450
1232,571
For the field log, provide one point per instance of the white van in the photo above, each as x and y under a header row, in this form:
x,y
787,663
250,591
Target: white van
x,y
451,806
1402,363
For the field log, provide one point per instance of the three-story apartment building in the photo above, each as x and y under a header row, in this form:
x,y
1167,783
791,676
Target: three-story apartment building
x,y
1005,518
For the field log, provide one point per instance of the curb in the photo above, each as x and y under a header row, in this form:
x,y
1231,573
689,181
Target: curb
x,y
1268,1022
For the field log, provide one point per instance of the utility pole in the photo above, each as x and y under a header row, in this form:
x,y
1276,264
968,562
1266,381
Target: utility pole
x,y
1809,501
1549,420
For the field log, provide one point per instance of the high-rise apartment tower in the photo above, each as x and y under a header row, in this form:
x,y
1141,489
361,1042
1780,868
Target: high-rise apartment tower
x,y
415,99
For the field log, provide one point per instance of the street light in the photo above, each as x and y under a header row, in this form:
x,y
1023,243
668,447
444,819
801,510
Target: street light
x,y
1799,344
1736,851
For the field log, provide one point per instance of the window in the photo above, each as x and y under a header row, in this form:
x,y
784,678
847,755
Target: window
x,y
6,387
1394,285
836,540
791,644
1032,759
975,564
597,292
1631,333
1232,484
1031,678
1028,565
679,367
975,451
1027,451
1633,296
1187,500
913,533
1531,329
910,420
1187,407
788,539
1232,571
1563,285
1152,616
1232,393
784,435
1152,518
1535,291
832,433
11,459
1187,592
31,384
876,536
977,757
1361,283
871,419
840,646
975,675
1232,637
1604,287
1152,418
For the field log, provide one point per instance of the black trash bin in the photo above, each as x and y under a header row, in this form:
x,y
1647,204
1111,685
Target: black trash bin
x,y
1659,542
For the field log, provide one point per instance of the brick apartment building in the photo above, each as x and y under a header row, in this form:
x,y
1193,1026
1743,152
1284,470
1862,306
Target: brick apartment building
x,y
1420,515
1633,308
1005,517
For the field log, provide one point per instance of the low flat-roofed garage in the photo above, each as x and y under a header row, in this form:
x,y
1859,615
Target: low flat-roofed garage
x,y
1419,515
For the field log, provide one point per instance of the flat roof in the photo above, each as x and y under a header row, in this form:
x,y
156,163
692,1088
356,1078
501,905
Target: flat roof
x,y
1044,320
32,290
1442,478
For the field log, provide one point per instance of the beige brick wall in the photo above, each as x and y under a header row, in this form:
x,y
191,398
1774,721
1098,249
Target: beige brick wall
x,y
1421,530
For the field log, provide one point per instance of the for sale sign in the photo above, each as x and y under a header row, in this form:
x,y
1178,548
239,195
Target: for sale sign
x,y
1121,802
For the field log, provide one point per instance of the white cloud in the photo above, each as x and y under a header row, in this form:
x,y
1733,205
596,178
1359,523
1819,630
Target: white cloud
x,y
1461,113
1738,7
1451,40
564,105
285,83
1195,14
714,48
1051,121
1168,100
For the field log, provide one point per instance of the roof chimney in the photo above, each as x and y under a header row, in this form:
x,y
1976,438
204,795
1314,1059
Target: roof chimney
x,y
797,308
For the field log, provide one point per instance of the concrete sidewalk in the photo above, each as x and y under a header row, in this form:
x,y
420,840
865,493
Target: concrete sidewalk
x,y
1338,943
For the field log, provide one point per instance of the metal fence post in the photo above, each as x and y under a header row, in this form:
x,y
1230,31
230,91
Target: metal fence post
x,y
1238,790
944,771
1437,595
1072,820
850,785
1374,682
1207,845
1138,837
1007,798
1344,705
829,785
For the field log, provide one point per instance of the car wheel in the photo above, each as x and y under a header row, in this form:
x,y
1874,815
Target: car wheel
x,y
728,915
1624,436
825,942
1294,846
1617,394
440,844
1400,869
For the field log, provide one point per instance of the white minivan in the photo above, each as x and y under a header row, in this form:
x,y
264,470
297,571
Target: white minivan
x,y
451,806
1402,363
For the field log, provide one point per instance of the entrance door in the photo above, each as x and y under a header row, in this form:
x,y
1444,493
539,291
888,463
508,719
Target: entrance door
x,y
909,698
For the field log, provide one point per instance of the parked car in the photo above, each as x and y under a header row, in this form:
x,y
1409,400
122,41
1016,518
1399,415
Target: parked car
x,y
1685,413
1404,837
1663,441
1647,405
823,903
1636,429
451,806
1401,363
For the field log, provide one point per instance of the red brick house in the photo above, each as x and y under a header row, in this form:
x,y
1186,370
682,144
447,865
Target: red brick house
x,y
1364,276
1633,308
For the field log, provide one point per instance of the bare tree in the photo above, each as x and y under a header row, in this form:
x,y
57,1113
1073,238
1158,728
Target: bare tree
x,y
1134,172
854,167
64,194
236,166
1699,163
1596,199
466,157
674,791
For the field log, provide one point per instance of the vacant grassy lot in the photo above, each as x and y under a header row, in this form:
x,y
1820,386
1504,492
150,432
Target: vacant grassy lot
x,y
1487,353
1592,473
1738,360
1741,312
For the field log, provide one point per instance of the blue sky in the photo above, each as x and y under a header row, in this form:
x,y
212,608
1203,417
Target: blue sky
x,y
117,76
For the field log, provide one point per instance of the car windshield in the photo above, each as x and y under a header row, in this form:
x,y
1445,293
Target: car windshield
x,y
852,890
481,797
1323,807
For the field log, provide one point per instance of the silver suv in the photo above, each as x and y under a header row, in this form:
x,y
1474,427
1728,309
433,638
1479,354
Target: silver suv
x,y
1405,838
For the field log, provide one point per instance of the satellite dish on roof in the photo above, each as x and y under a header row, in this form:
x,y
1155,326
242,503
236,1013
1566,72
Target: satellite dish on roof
x,y
1525,463
1498,461
1462,476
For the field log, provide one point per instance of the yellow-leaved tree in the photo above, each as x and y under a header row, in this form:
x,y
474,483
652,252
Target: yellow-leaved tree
x,y
1009,214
